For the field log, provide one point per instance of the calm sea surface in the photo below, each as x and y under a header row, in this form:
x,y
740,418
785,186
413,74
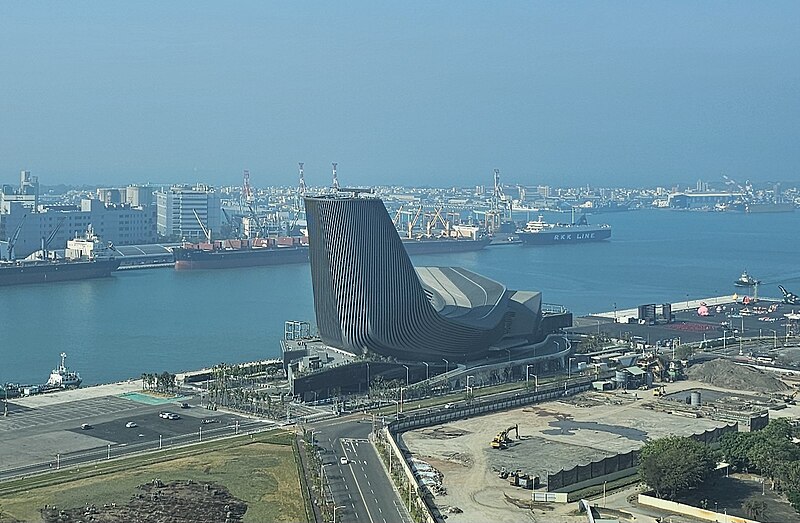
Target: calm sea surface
x,y
161,319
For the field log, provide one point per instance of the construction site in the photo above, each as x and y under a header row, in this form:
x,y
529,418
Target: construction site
x,y
499,466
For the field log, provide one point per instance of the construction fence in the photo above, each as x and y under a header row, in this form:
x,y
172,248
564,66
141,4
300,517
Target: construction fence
x,y
594,473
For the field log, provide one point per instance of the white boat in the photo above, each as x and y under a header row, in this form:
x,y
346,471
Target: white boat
x,y
62,377
745,280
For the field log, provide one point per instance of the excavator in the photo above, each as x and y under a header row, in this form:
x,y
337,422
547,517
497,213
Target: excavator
x,y
502,440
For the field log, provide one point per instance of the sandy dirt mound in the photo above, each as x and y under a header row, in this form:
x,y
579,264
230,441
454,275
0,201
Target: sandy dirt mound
x,y
728,375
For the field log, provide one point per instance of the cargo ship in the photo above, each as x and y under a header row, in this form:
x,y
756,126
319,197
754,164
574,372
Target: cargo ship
x,y
540,232
444,245
84,258
224,254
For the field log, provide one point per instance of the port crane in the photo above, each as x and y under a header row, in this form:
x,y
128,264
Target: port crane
x,y
206,230
13,240
502,440
44,253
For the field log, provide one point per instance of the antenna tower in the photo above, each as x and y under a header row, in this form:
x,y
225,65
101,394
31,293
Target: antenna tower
x,y
301,189
247,191
335,179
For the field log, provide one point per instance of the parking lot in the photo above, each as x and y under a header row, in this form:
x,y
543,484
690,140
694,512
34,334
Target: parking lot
x,y
766,319
42,433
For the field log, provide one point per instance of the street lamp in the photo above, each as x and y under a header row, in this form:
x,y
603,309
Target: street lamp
x,y
427,370
468,377
334,512
528,377
322,479
569,367
774,338
406,366
368,380
446,365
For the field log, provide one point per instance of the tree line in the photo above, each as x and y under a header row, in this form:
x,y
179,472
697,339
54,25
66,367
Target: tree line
x,y
673,465
164,382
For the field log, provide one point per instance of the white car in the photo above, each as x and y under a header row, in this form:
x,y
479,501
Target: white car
x,y
343,460
164,415
130,425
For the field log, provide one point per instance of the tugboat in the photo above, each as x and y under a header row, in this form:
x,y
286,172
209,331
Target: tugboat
x,y
745,280
63,378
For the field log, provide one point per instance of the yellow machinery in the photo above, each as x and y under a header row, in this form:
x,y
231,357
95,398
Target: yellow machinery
x,y
502,440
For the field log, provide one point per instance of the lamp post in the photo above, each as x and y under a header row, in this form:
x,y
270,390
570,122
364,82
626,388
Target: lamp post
x,y
446,365
528,377
724,338
407,382
774,338
569,367
322,479
509,354
427,370
334,512
468,377
368,380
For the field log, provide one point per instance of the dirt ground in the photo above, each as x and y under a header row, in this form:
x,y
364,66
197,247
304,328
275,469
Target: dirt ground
x,y
156,502
552,436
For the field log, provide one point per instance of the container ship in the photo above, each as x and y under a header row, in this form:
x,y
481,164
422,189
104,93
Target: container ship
x,y
540,232
84,258
224,254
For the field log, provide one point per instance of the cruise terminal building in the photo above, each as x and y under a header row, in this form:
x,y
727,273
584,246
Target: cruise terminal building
x,y
372,303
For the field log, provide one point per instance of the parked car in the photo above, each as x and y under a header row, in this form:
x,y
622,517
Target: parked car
x,y
130,425
86,426
343,460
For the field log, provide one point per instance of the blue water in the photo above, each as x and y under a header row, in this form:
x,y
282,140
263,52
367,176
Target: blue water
x,y
157,320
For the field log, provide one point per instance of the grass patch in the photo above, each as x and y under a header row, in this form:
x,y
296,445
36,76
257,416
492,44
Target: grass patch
x,y
262,472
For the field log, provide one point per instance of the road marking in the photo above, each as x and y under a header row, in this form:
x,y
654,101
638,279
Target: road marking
x,y
362,495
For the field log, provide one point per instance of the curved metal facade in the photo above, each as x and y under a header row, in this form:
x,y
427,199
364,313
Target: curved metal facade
x,y
367,294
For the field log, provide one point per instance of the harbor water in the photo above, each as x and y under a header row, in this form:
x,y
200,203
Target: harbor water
x,y
161,319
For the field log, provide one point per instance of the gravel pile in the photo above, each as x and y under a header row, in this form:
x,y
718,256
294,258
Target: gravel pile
x,y
728,375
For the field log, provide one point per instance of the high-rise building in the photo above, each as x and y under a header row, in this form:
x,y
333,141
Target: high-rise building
x,y
368,297
176,208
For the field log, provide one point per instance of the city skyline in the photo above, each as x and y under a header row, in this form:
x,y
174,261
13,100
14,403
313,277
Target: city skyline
x,y
552,94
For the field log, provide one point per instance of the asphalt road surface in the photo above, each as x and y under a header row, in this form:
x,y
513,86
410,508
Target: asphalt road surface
x,y
38,439
360,487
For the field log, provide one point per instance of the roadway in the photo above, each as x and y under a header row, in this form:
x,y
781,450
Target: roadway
x,y
361,487
38,439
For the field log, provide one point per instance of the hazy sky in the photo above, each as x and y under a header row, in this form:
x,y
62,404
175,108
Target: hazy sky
x,y
439,93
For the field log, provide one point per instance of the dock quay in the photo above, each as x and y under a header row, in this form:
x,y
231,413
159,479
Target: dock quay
x,y
727,320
